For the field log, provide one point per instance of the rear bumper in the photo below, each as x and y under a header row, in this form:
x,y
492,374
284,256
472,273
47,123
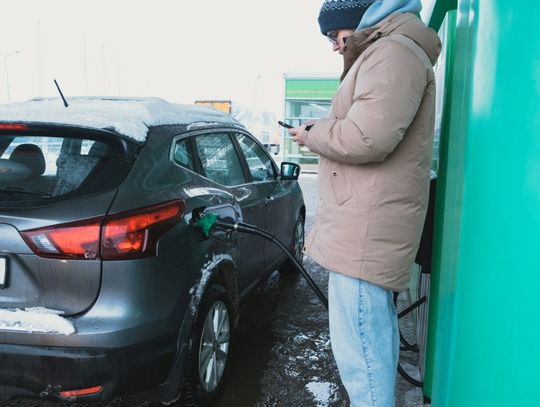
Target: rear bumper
x,y
45,371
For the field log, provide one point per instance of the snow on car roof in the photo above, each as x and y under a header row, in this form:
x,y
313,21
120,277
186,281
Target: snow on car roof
x,y
130,117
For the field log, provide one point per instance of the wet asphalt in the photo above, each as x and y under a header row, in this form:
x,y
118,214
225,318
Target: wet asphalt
x,y
282,354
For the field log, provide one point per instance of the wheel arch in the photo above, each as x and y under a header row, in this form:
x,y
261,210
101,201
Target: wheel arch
x,y
303,212
220,270
227,276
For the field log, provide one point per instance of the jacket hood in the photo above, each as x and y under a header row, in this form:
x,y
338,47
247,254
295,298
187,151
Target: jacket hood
x,y
406,24
412,27
380,9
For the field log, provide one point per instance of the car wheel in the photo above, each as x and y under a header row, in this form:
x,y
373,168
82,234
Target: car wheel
x,y
297,248
210,351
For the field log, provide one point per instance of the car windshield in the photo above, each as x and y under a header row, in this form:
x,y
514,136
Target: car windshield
x,y
44,167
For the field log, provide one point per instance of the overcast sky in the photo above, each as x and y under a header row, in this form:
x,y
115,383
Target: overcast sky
x,y
178,50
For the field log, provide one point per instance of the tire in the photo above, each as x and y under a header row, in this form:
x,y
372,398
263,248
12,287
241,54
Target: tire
x,y
210,348
297,247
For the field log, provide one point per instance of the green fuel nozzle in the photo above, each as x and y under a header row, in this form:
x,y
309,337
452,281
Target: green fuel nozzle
x,y
206,222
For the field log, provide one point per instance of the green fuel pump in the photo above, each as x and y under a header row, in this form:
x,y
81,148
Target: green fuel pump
x,y
484,328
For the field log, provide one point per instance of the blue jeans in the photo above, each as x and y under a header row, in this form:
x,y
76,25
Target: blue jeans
x,y
365,339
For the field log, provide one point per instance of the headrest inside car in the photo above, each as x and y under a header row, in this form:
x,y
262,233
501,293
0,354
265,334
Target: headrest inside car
x,y
31,156
98,149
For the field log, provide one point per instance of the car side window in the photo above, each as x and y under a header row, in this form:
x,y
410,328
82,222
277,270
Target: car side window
x,y
219,159
182,154
260,165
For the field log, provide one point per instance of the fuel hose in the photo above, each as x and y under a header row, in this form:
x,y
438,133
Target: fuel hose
x,y
207,221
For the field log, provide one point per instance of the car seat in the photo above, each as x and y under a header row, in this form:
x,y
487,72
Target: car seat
x,y
98,149
31,157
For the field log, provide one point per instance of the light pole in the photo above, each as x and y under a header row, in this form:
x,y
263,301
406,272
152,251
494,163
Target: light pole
x,y
7,74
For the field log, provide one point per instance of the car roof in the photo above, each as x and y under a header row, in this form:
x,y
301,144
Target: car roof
x,y
127,116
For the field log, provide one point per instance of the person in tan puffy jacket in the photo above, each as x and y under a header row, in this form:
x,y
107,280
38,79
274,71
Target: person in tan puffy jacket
x,y
374,152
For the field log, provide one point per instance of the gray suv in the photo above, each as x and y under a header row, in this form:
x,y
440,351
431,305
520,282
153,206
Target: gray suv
x,y
106,285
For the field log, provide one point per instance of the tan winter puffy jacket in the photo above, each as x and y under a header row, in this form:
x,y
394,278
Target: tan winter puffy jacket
x,y
375,154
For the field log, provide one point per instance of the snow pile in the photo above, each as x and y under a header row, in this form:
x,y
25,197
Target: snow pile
x,y
130,117
321,392
37,319
414,398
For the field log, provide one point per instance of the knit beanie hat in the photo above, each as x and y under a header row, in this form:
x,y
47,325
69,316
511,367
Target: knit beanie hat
x,y
342,14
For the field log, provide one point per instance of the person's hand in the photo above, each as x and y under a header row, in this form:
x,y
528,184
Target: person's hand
x,y
299,133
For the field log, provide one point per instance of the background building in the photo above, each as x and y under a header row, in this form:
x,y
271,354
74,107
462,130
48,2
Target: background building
x,y
306,97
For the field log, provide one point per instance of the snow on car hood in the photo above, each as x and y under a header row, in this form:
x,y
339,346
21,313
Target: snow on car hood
x,y
130,117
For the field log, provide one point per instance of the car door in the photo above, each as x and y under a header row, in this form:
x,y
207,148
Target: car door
x,y
277,202
221,164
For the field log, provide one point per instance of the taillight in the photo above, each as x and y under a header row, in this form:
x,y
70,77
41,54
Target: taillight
x,y
89,391
121,236
71,240
136,234
13,126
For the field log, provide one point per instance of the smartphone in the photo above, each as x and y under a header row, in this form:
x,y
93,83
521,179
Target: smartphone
x,y
283,124
288,126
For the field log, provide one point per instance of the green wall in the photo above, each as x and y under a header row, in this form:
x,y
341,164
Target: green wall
x,y
487,323
436,11
447,204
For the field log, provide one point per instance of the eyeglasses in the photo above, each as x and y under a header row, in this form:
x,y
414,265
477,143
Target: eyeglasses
x,y
333,37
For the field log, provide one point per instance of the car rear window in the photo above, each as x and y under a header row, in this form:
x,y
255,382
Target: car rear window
x,y
38,167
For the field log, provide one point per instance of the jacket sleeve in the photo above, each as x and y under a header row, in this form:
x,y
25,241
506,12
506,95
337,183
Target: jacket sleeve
x,y
389,87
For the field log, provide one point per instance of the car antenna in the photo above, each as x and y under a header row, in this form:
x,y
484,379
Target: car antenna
x,y
61,94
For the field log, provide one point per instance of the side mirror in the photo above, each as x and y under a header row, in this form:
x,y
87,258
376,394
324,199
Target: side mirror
x,y
289,171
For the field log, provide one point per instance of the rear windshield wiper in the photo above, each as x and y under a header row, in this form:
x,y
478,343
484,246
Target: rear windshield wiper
x,y
19,191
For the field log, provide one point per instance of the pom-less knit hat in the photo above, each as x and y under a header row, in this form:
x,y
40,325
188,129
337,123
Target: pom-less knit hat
x,y
342,14
359,14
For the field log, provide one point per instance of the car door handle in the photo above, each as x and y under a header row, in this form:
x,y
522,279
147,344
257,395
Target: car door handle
x,y
268,200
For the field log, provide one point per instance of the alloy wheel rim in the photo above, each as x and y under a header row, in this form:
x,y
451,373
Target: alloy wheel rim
x,y
299,241
214,346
